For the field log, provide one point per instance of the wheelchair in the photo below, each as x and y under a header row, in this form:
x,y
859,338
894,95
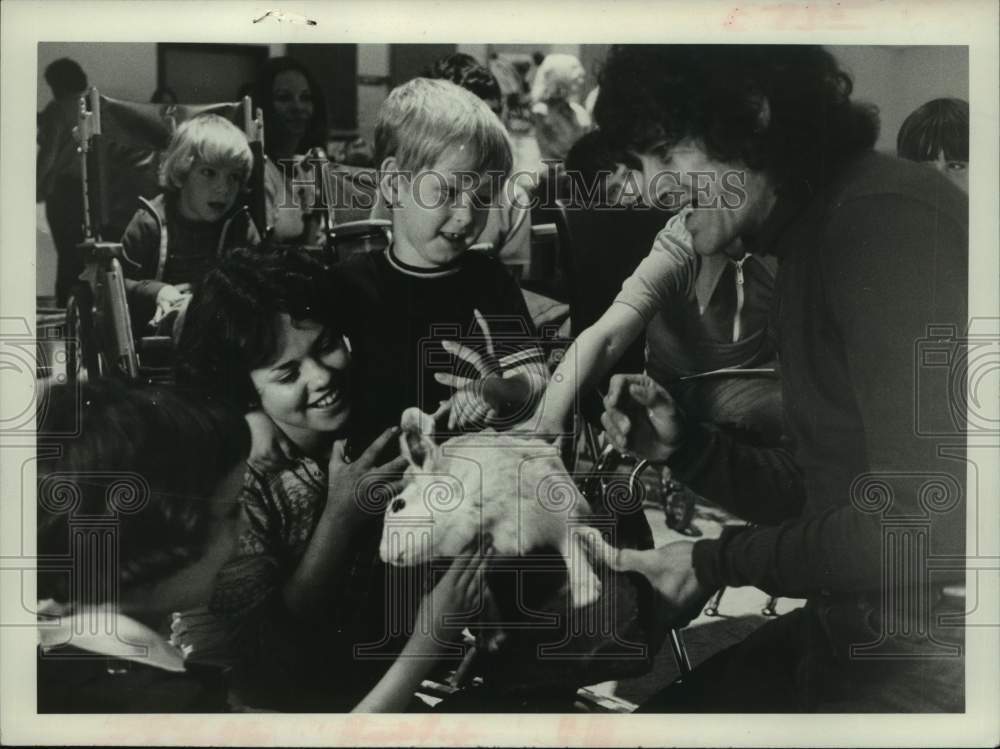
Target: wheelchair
x,y
340,228
127,138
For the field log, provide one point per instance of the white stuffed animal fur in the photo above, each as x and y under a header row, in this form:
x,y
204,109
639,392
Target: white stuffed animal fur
x,y
511,486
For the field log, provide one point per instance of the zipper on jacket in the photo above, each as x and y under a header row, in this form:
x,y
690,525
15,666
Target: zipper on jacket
x,y
740,297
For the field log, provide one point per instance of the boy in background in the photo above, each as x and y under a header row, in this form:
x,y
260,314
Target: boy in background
x,y
937,134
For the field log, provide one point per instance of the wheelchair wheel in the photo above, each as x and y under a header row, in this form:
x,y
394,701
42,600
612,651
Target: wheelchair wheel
x,y
83,361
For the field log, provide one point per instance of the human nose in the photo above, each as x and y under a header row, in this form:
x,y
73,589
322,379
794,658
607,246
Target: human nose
x,y
316,373
461,212
220,185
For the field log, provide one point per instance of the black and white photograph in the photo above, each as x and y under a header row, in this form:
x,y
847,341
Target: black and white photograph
x,y
391,363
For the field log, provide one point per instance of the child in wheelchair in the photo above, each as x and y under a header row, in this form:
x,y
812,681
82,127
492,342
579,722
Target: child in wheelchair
x,y
173,239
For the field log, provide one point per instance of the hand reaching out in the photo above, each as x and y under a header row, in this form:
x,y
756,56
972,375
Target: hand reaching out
x,y
669,569
640,417
460,590
354,486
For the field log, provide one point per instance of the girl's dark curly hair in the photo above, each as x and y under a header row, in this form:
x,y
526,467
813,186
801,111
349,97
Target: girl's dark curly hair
x,y
315,135
231,325
653,96
145,458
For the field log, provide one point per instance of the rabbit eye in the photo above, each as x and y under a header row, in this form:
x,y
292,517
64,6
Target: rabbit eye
x,y
397,505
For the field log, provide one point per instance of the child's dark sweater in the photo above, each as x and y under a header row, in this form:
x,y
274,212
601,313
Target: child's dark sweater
x,y
398,317
192,247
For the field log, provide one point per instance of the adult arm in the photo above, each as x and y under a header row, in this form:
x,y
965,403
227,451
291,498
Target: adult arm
x,y
666,274
893,266
762,485
459,591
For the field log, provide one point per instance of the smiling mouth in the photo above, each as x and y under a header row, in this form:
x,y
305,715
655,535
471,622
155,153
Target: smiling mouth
x,y
332,398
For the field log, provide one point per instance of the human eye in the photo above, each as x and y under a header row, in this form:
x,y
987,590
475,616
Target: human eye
x,y
207,172
957,166
286,374
326,342
331,343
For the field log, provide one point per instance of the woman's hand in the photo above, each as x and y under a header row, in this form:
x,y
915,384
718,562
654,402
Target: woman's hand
x,y
356,487
640,417
270,449
459,591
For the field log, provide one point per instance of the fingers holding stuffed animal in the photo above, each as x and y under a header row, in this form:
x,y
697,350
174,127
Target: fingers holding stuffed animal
x,y
458,592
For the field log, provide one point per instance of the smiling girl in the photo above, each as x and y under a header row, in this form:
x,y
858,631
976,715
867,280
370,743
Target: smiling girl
x,y
305,585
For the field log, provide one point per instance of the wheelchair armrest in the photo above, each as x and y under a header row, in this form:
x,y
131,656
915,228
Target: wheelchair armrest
x,y
105,252
156,344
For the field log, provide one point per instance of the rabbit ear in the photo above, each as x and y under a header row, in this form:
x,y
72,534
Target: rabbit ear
x,y
416,440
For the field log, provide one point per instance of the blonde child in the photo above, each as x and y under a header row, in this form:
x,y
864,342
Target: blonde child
x,y
431,321
176,237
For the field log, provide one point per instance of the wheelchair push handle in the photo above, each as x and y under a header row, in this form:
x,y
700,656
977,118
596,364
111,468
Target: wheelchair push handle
x,y
105,252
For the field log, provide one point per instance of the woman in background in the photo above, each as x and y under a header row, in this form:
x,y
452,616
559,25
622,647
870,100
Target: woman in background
x,y
294,126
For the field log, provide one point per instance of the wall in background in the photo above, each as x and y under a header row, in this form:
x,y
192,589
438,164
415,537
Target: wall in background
x,y
122,70
206,73
900,79
373,85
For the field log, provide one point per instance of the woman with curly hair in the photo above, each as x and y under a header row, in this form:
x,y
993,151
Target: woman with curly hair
x,y
764,144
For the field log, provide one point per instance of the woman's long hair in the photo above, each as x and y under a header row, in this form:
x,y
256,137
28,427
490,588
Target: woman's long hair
x,y
315,135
